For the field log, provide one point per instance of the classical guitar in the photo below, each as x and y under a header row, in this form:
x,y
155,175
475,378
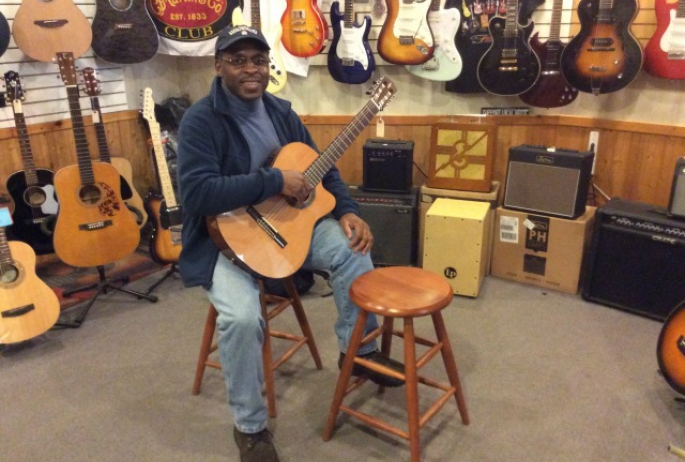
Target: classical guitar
x,y
406,37
605,56
665,51
164,209
445,64
32,188
305,28
42,28
94,226
128,192
510,66
28,307
551,89
123,32
272,238
350,59
670,350
277,74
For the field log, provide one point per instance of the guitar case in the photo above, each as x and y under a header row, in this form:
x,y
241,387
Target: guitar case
x,y
473,40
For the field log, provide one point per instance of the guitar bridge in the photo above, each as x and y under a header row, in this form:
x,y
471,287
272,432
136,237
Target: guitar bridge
x,y
508,68
266,226
598,69
175,232
348,62
94,226
676,55
51,23
406,40
19,311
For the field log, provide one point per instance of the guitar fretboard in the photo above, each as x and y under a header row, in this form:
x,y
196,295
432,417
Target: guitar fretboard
x,y
24,145
349,14
604,14
85,163
5,254
103,147
254,14
553,46
162,167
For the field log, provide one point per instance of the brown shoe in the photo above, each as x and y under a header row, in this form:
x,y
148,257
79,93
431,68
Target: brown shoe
x,y
255,447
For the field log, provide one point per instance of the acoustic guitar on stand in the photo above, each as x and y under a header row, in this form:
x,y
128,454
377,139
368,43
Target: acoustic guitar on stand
x,y
32,189
665,51
272,238
43,28
305,28
350,59
28,307
94,226
167,213
128,192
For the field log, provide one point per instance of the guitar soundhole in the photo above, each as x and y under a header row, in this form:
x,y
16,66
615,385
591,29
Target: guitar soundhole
x,y
8,273
34,196
121,5
90,194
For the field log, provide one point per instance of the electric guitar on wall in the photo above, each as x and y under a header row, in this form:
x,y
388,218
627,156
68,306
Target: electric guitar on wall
x,y
94,226
665,51
510,66
32,188
167,213
350,59
406,37
446,63
305,28
42,28
128,192
670,349
272,238
551,89
28,307
605,56
4,34
123,32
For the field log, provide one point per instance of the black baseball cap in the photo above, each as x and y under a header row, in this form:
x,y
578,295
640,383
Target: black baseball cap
x,y
231,35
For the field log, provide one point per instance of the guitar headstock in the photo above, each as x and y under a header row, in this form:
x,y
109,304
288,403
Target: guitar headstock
x,y
67,68
14,92
148,105
382,92
91,82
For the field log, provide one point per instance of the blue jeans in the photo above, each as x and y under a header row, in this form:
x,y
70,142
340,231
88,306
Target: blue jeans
x,y
235,295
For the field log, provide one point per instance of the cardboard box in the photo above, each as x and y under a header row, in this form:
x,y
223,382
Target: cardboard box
x,y
429,195
541,250
457,243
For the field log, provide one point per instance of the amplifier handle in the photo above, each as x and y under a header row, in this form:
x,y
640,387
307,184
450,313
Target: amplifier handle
x,y
645,234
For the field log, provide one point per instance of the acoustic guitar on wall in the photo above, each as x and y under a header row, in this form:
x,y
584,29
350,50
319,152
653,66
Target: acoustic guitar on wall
x,y
28,307
166,212
43,28
128,192
94,226
665,51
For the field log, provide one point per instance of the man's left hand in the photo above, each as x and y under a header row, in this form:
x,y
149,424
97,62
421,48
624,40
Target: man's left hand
x,y
359,233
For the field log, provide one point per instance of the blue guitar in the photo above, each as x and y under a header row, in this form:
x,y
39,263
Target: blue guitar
x,y
350,59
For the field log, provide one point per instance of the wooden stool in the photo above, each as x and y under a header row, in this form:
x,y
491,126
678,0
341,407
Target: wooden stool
x,y
407,293
268,313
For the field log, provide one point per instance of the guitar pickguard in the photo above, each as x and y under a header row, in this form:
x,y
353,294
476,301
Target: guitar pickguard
x,y
351,45
673,40
411,23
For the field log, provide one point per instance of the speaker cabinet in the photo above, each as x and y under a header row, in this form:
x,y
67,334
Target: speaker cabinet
x,y
676,203
636,260
548,181
392,218
388,165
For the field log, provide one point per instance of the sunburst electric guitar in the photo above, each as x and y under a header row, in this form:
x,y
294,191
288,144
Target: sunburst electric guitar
x,y
28,307
165,210
94,226
128,192
446,63
670,349
272,238
305,28
406,37
350,59
32,189
665,51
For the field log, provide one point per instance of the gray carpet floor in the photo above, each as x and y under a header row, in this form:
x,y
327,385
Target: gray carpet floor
x,y
547,377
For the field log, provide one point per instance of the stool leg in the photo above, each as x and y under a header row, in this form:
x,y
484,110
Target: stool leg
x,y
386,341
450,366
205,345
302,319
412,386
345,373
267,358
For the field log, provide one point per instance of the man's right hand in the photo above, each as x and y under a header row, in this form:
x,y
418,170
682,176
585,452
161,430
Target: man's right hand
x,y
295,185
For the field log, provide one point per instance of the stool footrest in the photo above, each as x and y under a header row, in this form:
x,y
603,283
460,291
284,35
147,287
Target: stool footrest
x,y
379,368
375,422
437,405
291,351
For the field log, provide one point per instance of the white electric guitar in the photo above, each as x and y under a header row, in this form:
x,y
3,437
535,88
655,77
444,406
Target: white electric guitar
x,y
446,62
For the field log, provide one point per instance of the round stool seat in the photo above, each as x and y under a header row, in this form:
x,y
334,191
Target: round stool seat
x,y
401,291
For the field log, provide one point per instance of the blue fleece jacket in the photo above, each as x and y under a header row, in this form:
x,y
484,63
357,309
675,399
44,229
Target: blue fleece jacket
x,y
213,174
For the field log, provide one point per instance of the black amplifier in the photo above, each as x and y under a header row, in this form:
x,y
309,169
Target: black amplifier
x,y
636,260
388,165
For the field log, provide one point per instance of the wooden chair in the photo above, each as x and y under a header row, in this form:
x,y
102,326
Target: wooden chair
x,y
406,293
272,306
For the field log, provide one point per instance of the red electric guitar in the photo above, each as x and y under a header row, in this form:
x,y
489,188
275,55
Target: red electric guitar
x,y
665,51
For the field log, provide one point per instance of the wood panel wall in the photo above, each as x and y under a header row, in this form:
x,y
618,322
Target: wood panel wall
x,y
635,161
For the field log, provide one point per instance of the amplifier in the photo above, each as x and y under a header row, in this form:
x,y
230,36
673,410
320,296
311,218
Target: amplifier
x,y
388,165
392,218
548,181
636,260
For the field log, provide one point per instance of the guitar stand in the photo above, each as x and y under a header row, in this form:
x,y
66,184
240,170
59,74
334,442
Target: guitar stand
x,y
173,269
102,286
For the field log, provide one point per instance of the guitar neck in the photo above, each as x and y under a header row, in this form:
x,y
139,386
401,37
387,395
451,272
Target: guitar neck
x,y
162,167
680,9
24,145
85,163
103,147
604,14
511,20
256,19
5,254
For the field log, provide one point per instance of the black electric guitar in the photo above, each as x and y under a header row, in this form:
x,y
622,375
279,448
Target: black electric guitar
x,y
510,66
32,189
4,34
165,210
123,32
670,350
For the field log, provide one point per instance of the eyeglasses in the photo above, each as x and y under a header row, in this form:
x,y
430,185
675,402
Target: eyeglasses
x,y
240,62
